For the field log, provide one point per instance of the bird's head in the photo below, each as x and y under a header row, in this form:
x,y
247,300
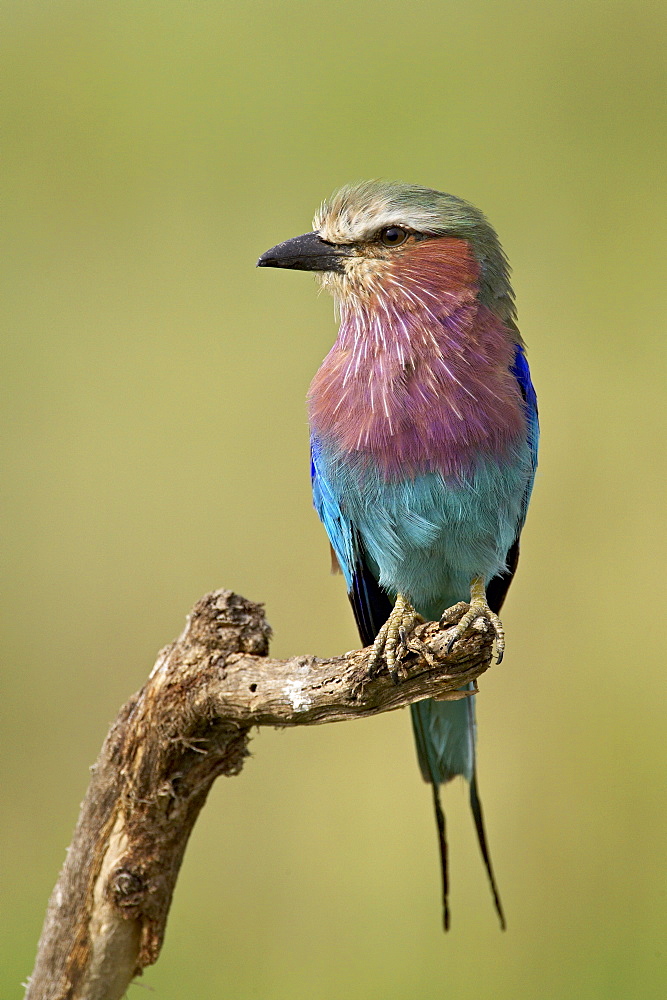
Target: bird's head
x,y
378,237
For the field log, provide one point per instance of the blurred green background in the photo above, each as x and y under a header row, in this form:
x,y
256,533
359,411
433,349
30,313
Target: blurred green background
x,y
155,447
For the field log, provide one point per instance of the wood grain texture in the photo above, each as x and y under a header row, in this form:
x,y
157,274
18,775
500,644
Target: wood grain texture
x,y
189,724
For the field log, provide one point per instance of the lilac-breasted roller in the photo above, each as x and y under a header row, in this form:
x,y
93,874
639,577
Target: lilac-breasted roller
x,y
424,434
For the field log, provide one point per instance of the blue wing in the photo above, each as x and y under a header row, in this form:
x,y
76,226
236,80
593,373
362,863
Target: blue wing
x,y
497,588
337,527
370,603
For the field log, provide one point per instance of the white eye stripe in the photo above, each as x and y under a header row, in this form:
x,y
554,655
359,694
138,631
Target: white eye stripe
x,y
363,225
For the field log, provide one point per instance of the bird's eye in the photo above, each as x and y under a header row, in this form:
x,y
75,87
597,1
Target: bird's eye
x,y
393,236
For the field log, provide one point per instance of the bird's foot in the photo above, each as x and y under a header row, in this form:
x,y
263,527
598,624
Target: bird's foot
x,y
479,611
390,641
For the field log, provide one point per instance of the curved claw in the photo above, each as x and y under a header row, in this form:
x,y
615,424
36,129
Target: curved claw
x,y
479,609
450,644
391,639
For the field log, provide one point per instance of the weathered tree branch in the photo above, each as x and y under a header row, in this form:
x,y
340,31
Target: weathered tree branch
x,y
189,724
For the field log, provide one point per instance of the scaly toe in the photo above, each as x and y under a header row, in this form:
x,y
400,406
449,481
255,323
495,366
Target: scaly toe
x,y
477,612
390,642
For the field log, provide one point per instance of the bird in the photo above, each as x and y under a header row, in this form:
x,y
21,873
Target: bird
x,y
424,435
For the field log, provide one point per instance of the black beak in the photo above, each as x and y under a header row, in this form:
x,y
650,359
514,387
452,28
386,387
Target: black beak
x,y
307,253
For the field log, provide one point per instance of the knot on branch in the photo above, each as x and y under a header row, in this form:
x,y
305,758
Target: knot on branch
x,y
127,890
224,622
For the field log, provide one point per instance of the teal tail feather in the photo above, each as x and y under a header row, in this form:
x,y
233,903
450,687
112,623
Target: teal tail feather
x,y
445,736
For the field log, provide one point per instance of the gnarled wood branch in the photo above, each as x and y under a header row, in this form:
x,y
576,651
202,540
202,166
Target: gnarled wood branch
x,y
189,724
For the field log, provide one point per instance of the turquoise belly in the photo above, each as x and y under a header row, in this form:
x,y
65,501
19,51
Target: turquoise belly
x,y
429,536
